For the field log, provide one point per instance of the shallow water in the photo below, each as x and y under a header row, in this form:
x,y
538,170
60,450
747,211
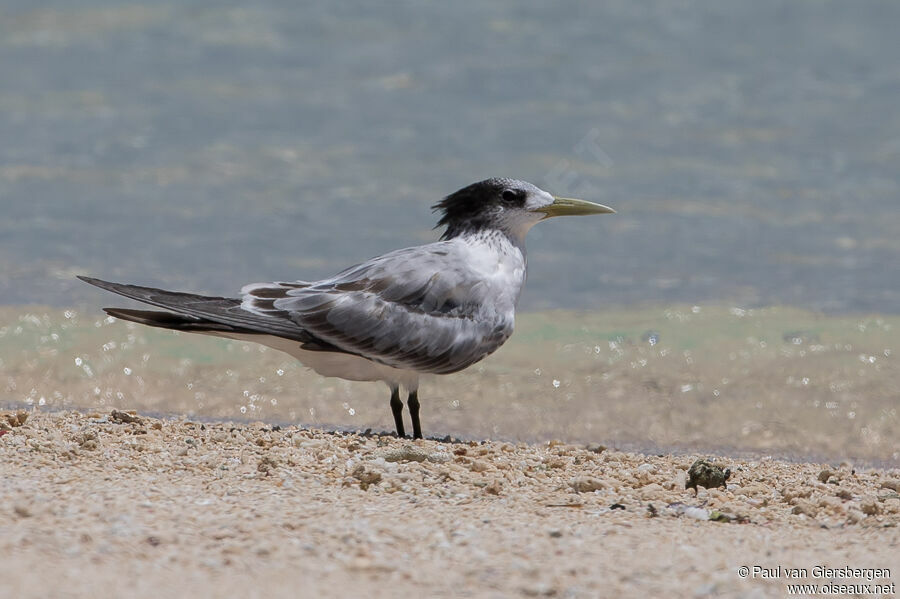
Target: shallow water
x,y
774,381
752,149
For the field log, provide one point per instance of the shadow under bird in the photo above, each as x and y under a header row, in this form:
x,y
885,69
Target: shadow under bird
x,y
435,308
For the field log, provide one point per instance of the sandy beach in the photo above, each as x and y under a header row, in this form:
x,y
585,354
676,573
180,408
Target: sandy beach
x,y
114,504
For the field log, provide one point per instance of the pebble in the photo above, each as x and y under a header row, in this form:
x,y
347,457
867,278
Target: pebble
x,y
891,483
806,508
14,419
479,466
704,473
586,484
124,417
869,506
366,477
653,492
697,513
407,453
595,448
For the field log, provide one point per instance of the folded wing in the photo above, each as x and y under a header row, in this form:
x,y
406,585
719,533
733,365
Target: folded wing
x,y
416,309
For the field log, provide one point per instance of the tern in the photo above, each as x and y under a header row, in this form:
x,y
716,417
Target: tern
x,y
431,309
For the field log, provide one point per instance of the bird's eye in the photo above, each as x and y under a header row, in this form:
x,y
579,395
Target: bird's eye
x,y
509,196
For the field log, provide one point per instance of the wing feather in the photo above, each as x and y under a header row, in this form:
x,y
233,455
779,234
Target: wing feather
x,y
413,309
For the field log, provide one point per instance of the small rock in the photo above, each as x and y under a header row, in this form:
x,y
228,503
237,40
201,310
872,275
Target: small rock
x,y
893,484
540,590
266,465
22,511
124,417
824,475
680,481
595,447
792,493
14,419
494,488
555,534
439,457
696,513
869,506
704,473
717,516
806,508
653,491
407,453
88,440
479,466
832,504
586,484
366,477
855,516
680,509
555,462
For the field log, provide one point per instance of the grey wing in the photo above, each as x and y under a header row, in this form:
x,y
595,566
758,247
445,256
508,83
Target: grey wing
x,y
416,309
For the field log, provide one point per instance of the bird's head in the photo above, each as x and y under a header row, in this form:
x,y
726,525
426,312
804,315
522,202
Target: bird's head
x,y
508,205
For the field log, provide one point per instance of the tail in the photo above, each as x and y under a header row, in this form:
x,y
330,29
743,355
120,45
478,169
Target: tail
x,y
169,320
197,313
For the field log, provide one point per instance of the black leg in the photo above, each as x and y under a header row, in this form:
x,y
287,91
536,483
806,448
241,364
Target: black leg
x,y
413,402
397,409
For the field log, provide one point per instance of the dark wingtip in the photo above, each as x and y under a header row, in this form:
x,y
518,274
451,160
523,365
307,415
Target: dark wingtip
x,y
89,280
107,285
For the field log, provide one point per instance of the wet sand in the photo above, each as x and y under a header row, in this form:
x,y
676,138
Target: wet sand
x,y
110,504
725,380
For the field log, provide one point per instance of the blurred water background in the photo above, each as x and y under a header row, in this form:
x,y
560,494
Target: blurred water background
x,y
751,149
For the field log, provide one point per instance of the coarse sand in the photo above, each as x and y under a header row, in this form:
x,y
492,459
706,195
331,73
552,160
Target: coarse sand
x,y
118,504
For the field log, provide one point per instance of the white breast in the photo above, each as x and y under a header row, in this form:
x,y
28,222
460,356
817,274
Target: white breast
x,y
495,272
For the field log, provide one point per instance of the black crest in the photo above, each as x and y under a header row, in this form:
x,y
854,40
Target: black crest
x,y
474,206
